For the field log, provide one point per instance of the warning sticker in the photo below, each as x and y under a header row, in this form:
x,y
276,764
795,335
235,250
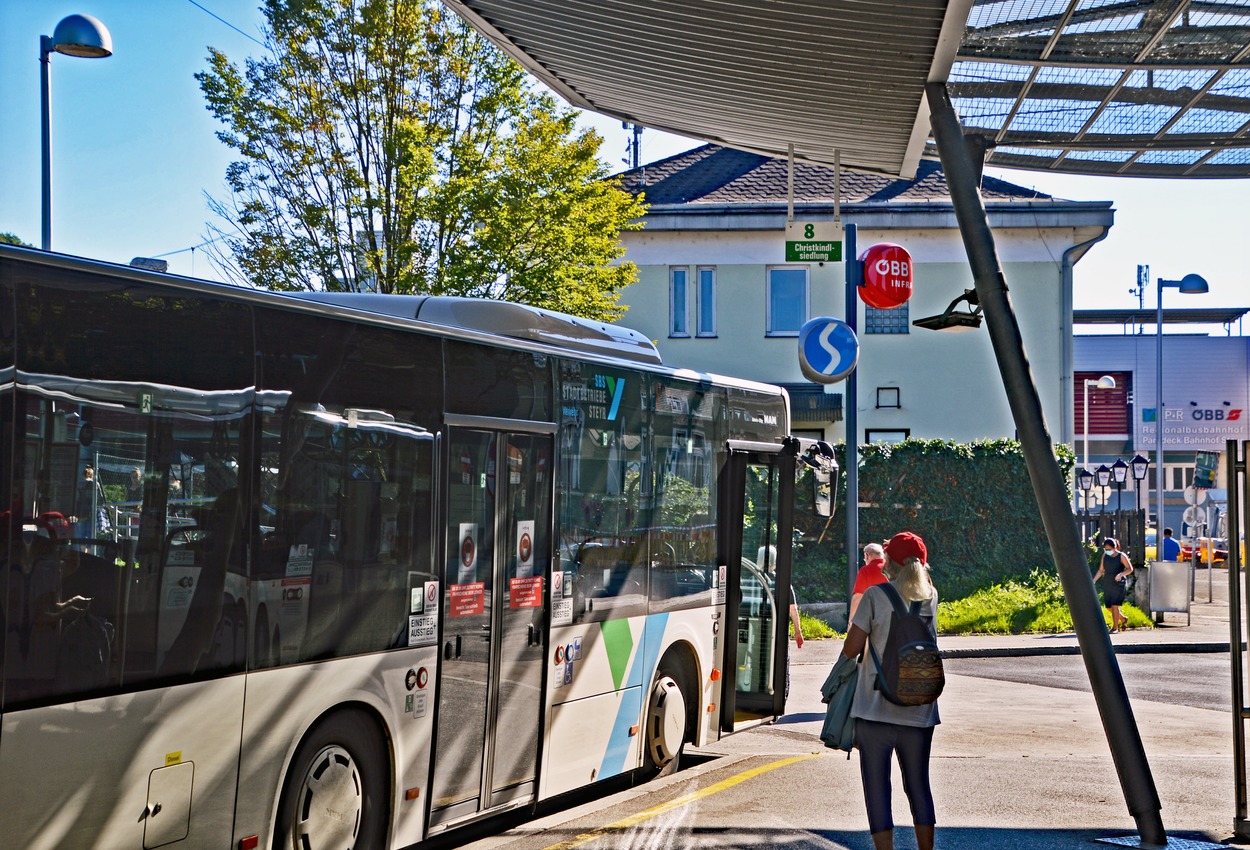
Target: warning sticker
x,y
720,584
525,592
561,598
467,599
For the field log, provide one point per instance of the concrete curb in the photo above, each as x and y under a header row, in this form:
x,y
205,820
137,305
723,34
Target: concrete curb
x,y
1120,649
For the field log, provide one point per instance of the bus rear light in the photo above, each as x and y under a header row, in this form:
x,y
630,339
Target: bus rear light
x,y
715,677
249,843
412,793
711,706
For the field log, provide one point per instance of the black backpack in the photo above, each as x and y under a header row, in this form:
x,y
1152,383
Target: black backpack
x,y
911,672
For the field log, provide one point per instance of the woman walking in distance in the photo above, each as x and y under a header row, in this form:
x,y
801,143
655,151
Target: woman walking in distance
x,y
883,728
1113,569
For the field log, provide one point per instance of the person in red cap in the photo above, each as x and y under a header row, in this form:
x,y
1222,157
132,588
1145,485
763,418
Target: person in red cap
x,y
868,575
883,728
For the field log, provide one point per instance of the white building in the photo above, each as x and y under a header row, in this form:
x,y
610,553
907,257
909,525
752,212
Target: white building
x,y
716,293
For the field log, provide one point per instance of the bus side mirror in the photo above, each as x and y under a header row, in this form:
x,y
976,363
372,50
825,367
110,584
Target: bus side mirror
x,y
822,496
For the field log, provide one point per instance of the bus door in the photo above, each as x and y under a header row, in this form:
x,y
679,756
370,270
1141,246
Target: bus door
x,y
755,545
499,494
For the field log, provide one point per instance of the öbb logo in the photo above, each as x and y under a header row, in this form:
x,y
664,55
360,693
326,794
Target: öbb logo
x,y
1207,414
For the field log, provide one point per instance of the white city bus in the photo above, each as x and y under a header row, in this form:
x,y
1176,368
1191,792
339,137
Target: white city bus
x,y
390,564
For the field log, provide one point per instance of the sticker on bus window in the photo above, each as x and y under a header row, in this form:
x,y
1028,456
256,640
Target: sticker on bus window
x,y
525,592
720,584
468,553
466,599
422,629
525,548
300,560
561,598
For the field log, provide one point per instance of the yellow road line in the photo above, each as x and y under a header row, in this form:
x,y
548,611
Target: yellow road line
x,y
656,811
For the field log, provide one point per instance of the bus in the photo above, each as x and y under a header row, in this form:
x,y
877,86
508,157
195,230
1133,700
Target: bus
x,y
342,570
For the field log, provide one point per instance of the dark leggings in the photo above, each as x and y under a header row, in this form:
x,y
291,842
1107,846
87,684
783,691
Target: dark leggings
x,y
875,742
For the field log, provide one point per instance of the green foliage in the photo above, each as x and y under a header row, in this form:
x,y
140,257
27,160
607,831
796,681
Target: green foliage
x,y
1034,605
386,146
12,239
681,501
815,629
973,503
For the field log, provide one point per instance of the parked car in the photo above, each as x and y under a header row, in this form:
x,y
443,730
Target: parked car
x,y
1152,546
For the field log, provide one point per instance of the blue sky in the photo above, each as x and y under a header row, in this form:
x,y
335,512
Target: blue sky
x,y
134,152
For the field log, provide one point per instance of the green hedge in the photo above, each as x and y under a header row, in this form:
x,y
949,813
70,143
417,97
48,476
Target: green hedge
x,y
972,503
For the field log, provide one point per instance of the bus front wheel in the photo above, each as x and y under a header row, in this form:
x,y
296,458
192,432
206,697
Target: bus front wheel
x,y
666,724
336,793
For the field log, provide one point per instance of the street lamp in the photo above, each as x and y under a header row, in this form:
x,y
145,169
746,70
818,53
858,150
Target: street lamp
x,y
1084,480
1119,474
1140,467
76,35
1106,382
1190,284
1103,474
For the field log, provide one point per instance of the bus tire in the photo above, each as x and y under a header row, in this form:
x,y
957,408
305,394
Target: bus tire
x,y
337,790
667,720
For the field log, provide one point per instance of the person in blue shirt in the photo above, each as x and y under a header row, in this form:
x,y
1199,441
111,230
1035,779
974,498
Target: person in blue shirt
x,y
1171,548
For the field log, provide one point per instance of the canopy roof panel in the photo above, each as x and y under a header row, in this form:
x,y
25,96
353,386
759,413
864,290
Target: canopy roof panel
x,y
1135,87
1146,88
756,76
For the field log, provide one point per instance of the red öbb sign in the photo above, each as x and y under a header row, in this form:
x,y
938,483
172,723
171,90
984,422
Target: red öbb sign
x,y
887,276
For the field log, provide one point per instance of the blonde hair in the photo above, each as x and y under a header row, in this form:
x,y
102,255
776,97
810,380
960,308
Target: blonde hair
x,y
910,578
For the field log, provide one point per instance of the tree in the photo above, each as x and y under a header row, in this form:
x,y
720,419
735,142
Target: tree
x,y
386,146
12,239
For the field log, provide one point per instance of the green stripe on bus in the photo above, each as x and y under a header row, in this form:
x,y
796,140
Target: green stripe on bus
x,y
618,640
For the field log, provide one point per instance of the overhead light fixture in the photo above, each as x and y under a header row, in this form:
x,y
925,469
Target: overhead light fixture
x,y
955,321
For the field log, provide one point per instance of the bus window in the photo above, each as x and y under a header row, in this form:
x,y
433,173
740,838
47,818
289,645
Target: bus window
x,y
346,486
604,486
683,532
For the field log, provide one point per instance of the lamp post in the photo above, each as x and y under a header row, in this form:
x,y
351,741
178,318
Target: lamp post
x,y
1084,480
1103,474
1106,382
76,35
1190,284
1140,467
1119,474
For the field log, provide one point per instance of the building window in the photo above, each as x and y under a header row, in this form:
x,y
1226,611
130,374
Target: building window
x,y
678,301
889,397
705,299
886,435
893,321
786,301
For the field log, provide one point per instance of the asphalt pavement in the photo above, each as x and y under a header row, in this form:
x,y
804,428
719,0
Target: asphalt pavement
x,y
1018,765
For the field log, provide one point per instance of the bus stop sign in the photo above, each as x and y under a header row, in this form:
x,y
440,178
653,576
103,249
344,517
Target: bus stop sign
x,y
887,276
828,350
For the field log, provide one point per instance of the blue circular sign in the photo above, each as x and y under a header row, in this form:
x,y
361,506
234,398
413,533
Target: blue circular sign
x,y
828,350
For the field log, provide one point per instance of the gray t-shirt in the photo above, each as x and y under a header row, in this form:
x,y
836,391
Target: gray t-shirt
x,y
874,615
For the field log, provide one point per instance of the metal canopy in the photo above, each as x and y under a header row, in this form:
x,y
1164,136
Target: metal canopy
x,y
1178,316
825,76
1157,88
1146,88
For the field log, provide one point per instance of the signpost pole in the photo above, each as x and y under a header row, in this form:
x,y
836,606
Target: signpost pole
x,y
854,274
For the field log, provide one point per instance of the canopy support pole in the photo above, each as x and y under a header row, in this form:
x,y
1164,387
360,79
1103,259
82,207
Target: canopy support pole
x,y
1119,724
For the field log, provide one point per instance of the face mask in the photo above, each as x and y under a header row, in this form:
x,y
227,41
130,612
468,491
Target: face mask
x,y
1109,551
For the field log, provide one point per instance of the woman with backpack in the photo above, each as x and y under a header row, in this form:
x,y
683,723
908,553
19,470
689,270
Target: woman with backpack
x,y
900,676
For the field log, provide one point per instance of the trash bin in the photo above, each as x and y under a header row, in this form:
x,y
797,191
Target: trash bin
x,y
1169,588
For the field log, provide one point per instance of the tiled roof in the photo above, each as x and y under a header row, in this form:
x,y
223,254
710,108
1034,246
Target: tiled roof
x,y
714,175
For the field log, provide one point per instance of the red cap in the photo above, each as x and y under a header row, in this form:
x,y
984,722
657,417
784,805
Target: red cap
x,y
906,545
